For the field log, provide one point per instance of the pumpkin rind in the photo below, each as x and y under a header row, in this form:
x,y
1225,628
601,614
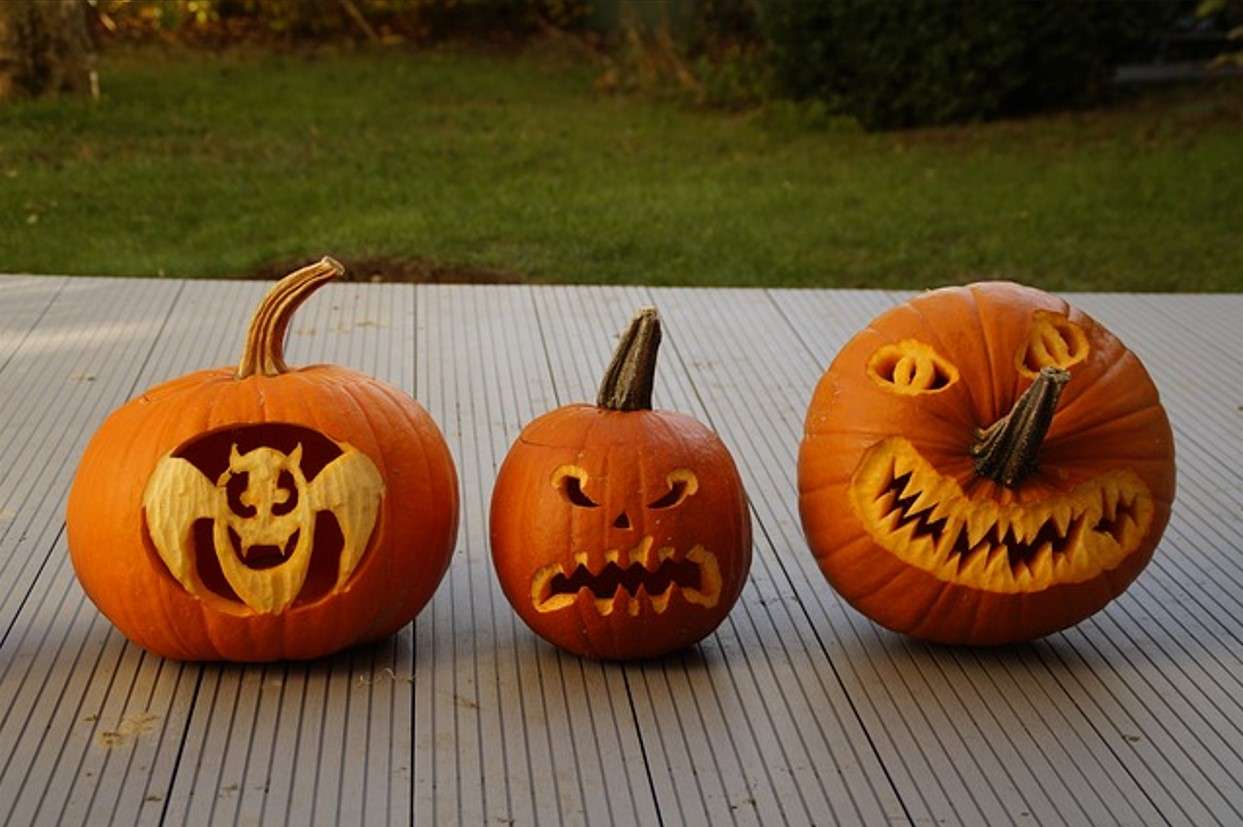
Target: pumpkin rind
x,y
406,553
1040,555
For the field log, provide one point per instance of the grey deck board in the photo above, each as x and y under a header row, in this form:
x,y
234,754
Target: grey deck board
x,y
796,710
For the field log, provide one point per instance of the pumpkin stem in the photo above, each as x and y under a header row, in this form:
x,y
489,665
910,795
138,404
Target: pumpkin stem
x,y
1005,452
627,384
264,354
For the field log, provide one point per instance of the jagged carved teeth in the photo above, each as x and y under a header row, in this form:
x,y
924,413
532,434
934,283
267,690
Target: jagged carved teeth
x,y
263,556
629,579
925,517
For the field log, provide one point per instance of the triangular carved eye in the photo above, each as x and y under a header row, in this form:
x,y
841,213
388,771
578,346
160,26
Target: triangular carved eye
x,y
682,484
569,480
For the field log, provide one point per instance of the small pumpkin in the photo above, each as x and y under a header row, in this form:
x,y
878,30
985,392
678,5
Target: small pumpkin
x,y
984,464
264,512
619,531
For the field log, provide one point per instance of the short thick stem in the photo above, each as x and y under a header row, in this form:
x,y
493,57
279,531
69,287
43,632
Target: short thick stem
x,y
1005,452
264,354
627,384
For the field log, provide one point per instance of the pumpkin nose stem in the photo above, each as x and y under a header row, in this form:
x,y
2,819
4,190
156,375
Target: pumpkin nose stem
x,y
622,521
1005,452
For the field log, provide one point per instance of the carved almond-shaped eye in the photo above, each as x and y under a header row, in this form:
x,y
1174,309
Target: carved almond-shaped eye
x,y
1053,341
569,480
911,367
682,484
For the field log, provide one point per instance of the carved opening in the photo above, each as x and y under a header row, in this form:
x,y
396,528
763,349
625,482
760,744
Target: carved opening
x,y
269,516
682,484
926,519
911,367
606,583
1053,341
569,480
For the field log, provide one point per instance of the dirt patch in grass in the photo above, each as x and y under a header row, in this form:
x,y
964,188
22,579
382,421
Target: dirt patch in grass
x,y
379,269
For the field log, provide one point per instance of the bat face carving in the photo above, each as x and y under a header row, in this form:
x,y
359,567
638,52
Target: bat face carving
x,y
266,529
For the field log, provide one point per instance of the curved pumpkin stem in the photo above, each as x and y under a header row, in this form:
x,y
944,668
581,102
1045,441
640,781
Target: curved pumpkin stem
x,y
627,384
1006,451
264,354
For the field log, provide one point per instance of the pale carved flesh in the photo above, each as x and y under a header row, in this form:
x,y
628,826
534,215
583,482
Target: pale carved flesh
x,y
925,519
628,578
264,552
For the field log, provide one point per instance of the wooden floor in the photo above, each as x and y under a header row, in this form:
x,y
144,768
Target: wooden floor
x,y
797,710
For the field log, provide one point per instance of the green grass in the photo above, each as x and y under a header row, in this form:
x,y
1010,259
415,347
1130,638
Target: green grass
x,y
223,166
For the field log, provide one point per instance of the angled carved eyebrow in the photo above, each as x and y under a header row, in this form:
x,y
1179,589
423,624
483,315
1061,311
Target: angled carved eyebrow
x,y
569,480
682,484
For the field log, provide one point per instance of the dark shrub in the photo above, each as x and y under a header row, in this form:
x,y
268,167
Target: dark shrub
x,y
901,63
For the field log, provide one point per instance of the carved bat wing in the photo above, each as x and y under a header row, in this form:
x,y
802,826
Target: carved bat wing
x,y
350,487
177,494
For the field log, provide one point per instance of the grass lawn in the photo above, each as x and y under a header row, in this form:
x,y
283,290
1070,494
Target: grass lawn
x,y
228,166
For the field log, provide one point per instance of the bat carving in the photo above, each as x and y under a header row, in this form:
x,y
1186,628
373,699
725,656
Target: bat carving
x,y
262,536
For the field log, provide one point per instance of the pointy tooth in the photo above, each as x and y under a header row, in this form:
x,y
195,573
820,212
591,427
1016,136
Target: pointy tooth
x,y
1003,524
606,605
660,602
943,510
998,562
580,559
697,554
886,503
905,535
1041,563
612,556
664,553
927,499
949,535
979,521
1109,499
633,606
1128,528
977,560
642,553
889,523
912,486
1062,513
903,462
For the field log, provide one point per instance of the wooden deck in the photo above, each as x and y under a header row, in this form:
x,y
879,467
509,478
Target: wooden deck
x,y
798,710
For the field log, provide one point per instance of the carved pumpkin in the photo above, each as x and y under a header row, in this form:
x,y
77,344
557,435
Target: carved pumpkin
x,y
264,512
618,531
984,464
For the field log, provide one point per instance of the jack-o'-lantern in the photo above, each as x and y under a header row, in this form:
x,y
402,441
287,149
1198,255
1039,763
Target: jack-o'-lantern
x,y
984,464
264,512
618,531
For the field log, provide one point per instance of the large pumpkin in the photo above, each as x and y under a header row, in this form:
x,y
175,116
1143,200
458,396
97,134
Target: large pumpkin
x,y
984,464
619,531
264,512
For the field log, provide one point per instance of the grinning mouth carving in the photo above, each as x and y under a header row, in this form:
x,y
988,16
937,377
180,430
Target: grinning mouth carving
x,y
259,556
628,578
926,520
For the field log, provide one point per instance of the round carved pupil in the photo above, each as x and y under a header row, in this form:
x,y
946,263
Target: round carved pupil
x,y
236,486
286,483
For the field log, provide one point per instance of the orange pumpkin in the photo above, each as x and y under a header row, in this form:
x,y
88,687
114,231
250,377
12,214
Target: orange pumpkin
x,y
984,464
619,531
264,512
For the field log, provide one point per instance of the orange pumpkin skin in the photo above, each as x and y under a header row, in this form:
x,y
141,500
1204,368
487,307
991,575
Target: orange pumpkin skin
x,y
1109,441
655,494
406,553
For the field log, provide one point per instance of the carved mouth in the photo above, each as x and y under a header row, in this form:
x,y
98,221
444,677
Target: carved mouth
x,y
925,519
630,578
261,557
